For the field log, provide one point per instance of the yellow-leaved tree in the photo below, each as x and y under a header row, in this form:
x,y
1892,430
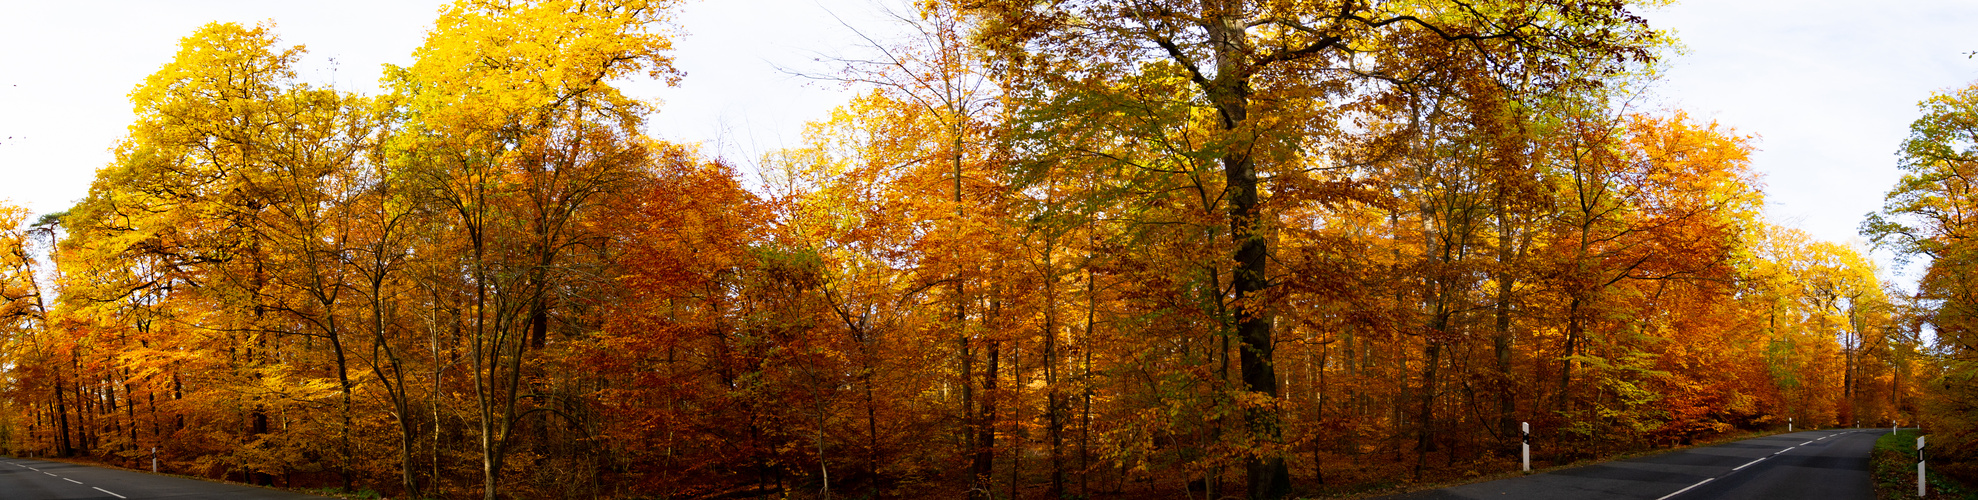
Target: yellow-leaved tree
x,y
513,130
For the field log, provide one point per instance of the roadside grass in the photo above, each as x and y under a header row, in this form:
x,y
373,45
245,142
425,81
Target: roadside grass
x,y
1893,465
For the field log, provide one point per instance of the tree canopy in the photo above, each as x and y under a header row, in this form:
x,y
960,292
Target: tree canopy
x,y
1088,248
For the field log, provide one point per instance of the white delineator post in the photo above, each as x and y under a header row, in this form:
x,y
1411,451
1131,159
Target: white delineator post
x,y
1525,444
154,460
1789,424
1920,485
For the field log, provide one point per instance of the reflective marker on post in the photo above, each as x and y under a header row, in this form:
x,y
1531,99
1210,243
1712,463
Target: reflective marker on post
x,y
1525,444
1919,466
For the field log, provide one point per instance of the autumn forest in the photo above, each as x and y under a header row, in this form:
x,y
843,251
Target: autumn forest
x,y
1053,249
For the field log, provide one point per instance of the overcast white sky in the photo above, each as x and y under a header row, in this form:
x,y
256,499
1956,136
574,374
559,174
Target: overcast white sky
x,y
1830,86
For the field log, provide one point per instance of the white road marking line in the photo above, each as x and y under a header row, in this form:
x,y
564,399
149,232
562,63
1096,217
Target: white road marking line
x,y
112,493
1679,492
1735,469
50,474
72,480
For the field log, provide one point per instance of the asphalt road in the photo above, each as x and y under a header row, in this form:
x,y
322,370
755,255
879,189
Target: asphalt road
x,y
24,479
1825,464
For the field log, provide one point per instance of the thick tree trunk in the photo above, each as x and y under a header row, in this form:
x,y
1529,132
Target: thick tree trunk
x,y
1229,92
63,447
539,323
1268,476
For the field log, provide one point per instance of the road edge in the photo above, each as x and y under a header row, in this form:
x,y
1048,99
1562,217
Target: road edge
x,y
1727,438
299,491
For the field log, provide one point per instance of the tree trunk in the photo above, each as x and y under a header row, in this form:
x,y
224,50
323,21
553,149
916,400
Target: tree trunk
x,y
1085,412
1425,430
1054,398
343,409
985,422
63,447
1573,333
1230,93
1507,406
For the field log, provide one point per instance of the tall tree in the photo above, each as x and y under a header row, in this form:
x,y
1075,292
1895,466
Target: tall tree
x,y
1928,214
515,127
1251,62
